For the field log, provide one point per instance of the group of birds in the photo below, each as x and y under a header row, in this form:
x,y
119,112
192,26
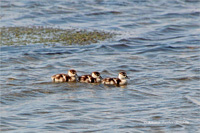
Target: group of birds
x,y
95,77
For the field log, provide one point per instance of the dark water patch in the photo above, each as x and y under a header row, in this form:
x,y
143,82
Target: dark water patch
x,y
44,91
187,78
132,25
196,70
7,4
45,51
194,41
94,130
77,121
20,95
192,1
48,66
172,29
174,47
158,49
123,66
27,114
138,39
30,57
181,15
134,70
124,40
104,13
55,53
12,118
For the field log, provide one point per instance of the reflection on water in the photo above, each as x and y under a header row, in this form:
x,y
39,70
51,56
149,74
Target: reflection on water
x,y
158,48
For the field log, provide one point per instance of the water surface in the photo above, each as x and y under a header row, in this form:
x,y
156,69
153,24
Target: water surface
x,y
158,48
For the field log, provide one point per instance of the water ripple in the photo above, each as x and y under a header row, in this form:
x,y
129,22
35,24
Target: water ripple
x,y
157,45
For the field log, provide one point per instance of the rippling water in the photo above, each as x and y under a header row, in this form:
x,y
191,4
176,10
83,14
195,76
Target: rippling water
x,y
158,48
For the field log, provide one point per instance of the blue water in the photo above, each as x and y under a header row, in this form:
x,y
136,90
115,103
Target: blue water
x,y
158,46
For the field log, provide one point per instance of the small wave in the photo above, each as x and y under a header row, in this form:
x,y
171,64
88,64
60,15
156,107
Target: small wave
x,y
193,100
50,52
121,47
171,30
104,48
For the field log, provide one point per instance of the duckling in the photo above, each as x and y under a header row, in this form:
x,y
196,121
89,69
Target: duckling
x,y
121,80
95,77
70,77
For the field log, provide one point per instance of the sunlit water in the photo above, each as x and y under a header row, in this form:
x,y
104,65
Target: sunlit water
x,y
158,47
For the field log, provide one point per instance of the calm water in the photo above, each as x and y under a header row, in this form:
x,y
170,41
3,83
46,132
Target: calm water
x,y
159,48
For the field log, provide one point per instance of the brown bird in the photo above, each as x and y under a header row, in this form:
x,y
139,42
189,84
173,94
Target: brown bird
x,y
70,77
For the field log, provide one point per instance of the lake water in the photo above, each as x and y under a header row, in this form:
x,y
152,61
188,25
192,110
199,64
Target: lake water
x,y
158,47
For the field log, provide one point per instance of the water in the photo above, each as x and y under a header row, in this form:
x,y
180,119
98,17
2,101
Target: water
x,y
158,48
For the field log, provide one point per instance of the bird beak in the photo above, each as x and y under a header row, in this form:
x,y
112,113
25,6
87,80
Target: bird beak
x,y
101,77
127,77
